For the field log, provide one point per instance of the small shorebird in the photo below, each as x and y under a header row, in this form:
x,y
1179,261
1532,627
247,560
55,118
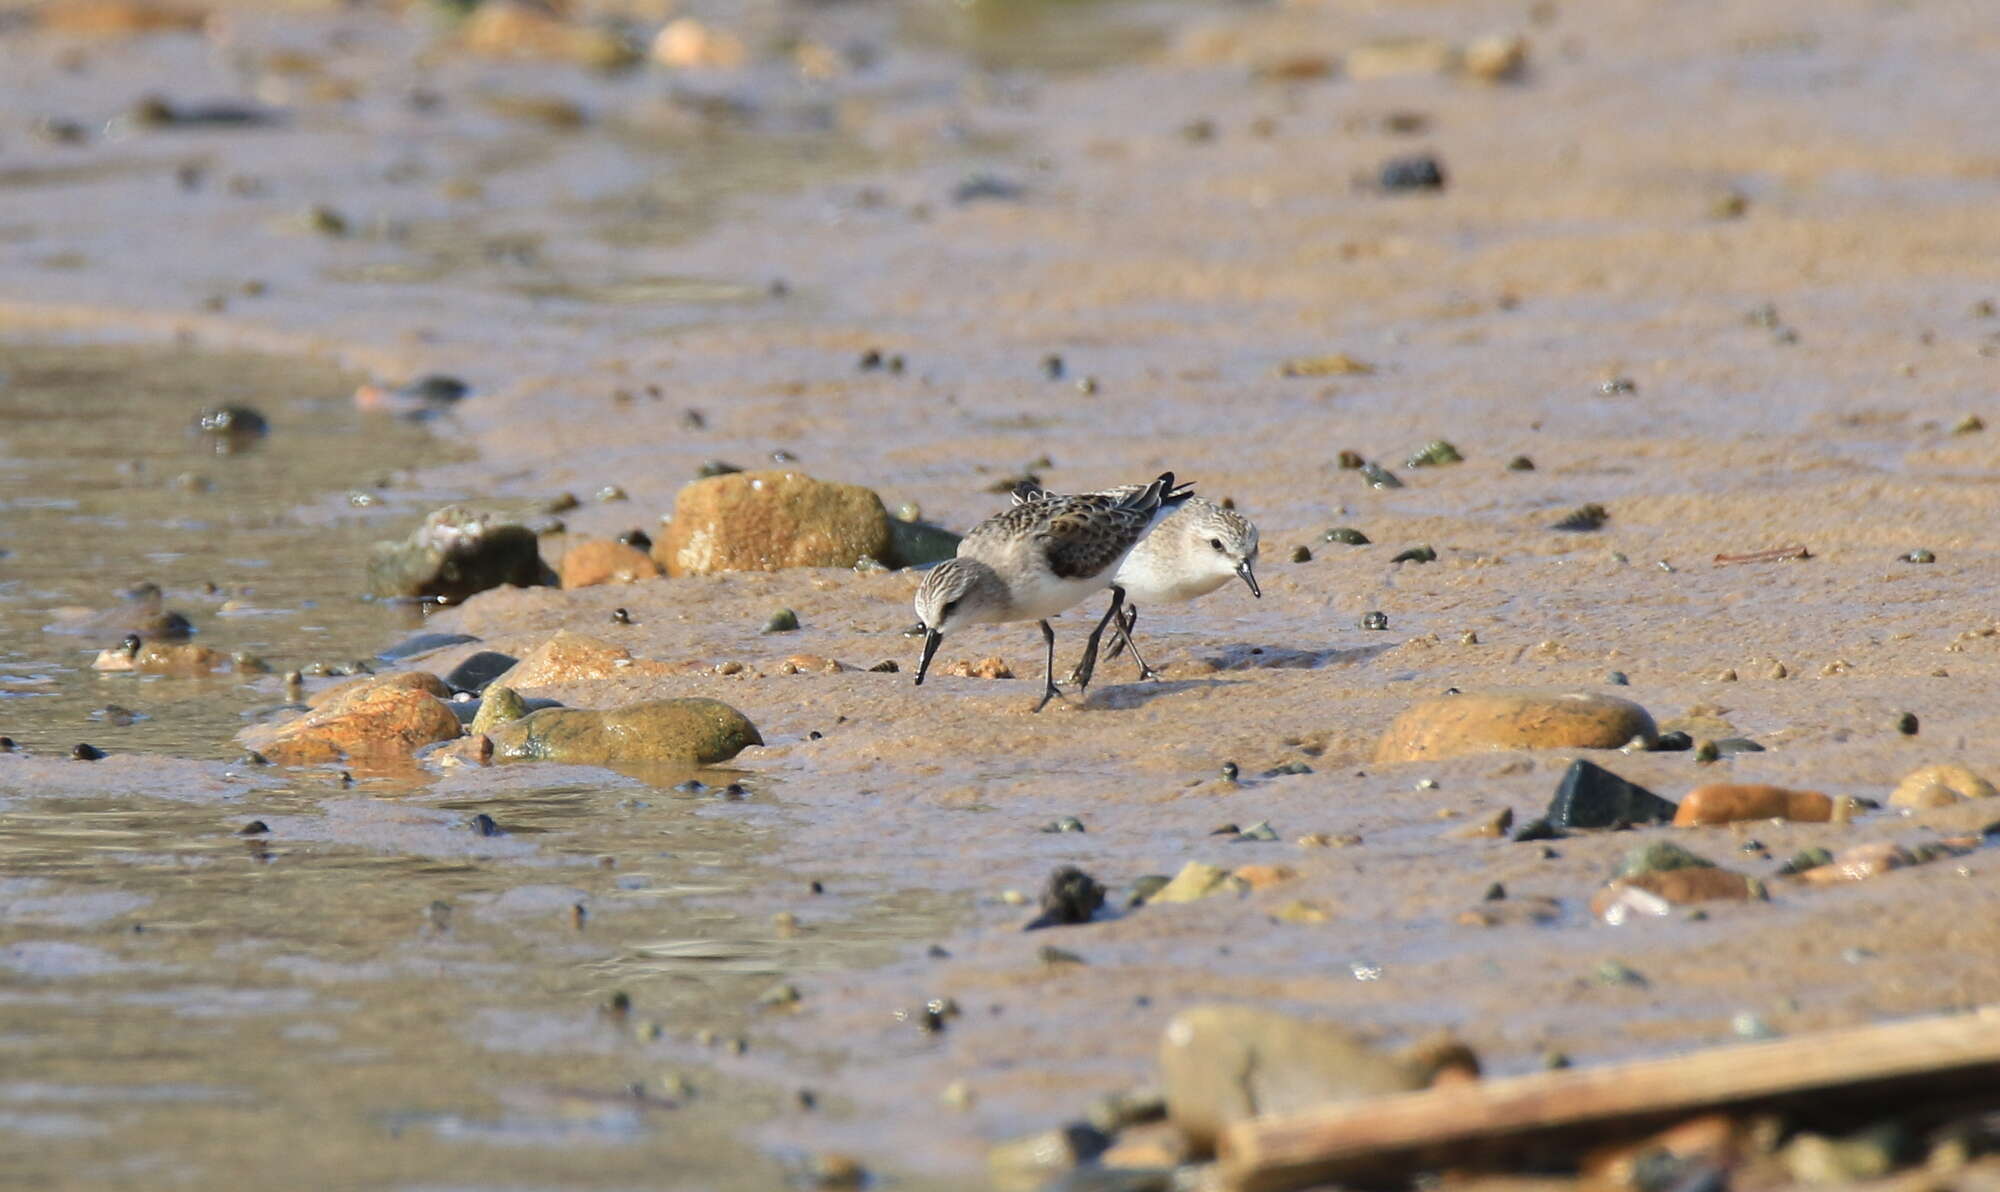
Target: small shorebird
x,y
1036,559
1193,551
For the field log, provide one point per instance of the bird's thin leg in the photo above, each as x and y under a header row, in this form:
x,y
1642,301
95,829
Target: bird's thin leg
x,y
1089,663
1126,625
1049,690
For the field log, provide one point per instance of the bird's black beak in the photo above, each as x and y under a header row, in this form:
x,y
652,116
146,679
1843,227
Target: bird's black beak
x,y
1249,577
931,639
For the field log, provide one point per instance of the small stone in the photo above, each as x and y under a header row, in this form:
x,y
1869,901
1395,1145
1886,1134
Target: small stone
x,y
1067,823
497,706
1144,887
1583,519
1906,724
1938,784
782,621
1301,554
782,996
1920,555
1614,972
1494,826
1416,172
1378,476
1416,554
831,1169
1617,679
1345,535
1673,742
1590,796
1538,829
1451,725
477,671
1222,1064
1375,619
1435,453
87,753
1336,364
1037,1159
454,554
764,521
485,825
1230,771
1350,460
1520,463
604,561
1196,880
1263,877
1722,803
1706,752
687,731
1617,386
1071,896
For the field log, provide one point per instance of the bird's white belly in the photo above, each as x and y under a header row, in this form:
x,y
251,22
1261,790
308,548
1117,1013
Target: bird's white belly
x,y
1043,594
1147,582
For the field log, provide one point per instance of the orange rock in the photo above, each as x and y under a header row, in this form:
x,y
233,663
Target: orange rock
x,y
811,664
1476,722
985,668
687,44
183,660
1679,887
605,561
566,658
1860,863
1713,1136
414,680
378,719
510,29
1728,802
101,18
763,521
1150,1145
1263,877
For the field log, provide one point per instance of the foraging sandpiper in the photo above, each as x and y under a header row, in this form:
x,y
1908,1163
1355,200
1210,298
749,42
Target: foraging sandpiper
x,y
1192,552
1036,559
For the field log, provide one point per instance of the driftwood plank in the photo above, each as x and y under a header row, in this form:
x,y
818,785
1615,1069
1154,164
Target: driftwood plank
x,y
1873,1070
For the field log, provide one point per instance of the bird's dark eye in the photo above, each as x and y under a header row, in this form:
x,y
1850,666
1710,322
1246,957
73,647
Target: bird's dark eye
x,y
1216,543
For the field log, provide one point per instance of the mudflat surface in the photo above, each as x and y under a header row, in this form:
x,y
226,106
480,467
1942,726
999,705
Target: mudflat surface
x,y
1721,270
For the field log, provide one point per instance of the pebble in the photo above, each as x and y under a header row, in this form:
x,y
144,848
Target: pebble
x,y
85,752
1196,880
1520,463
768,520
604,561
1345,535
1476,722
1067,823
1724,802
456,553
782,621
390,715
1416,554
1221,1064
1032,1161
1421,171
1375,619
1070,896
1583,518
1920,555
477,671
687,731
1589,796
1937,784
1378,476
1301,554
1435,453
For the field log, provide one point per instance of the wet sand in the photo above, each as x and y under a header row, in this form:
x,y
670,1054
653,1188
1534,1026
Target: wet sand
x,y
1183,225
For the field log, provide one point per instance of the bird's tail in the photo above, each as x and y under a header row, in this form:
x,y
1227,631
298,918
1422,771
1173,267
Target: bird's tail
x,y
1162,493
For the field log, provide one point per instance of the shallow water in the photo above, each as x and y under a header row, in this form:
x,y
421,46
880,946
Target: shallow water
x,y
105,484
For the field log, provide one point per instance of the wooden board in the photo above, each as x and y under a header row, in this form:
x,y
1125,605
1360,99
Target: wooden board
x,y
1874,1070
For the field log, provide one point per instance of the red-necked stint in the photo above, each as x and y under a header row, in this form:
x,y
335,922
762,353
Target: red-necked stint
x,y
1192,552
1038,558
